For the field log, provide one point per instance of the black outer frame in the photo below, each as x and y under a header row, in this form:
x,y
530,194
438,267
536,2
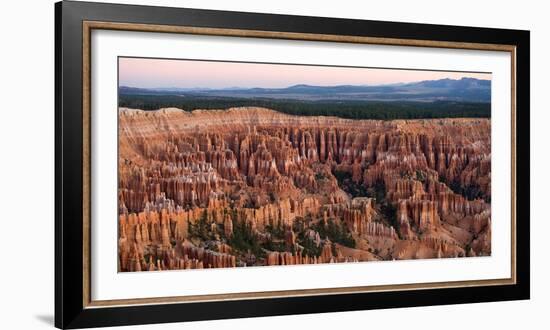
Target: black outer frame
x,y
69,307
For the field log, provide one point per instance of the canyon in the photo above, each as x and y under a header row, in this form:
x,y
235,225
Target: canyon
x,y
251,186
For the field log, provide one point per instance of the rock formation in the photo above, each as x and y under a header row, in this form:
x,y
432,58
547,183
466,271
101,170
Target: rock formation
x,y
251,186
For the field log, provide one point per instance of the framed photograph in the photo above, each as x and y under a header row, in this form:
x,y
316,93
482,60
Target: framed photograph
x,y
218,164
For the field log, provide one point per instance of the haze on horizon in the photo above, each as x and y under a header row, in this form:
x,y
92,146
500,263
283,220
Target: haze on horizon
x,y
175,73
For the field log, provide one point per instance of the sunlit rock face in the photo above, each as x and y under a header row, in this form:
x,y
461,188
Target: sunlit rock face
x,y
253,187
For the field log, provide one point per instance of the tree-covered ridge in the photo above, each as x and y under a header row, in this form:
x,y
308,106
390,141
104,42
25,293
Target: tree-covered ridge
x,y
350,109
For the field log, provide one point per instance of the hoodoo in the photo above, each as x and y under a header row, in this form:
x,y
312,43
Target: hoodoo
x,y
252,186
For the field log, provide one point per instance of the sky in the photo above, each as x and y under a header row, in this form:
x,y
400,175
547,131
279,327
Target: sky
x,y
163,73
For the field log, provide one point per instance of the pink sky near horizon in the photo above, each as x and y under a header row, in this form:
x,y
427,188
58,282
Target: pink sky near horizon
x,y
151,73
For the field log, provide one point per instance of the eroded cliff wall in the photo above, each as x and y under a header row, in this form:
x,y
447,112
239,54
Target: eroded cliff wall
x,y
251,186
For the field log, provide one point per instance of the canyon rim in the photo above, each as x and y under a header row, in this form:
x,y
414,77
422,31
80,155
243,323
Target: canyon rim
x,y
229,164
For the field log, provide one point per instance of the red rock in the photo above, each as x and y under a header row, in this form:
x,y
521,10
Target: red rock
x,y
264,168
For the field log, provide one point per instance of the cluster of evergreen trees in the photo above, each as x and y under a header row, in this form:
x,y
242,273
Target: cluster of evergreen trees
x,y
244,240
383,110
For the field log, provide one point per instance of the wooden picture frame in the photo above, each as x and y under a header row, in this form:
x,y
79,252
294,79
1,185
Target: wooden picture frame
x,y
75,21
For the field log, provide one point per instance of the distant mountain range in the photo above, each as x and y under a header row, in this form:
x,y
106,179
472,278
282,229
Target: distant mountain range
x,y
463,90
